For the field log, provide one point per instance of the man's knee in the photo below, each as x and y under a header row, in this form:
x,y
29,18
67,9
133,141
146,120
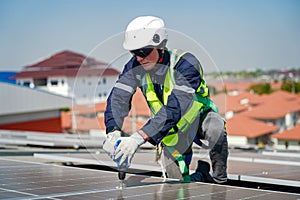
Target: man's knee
x,y
213,128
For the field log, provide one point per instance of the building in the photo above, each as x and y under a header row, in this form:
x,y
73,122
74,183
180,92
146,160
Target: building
x,y
70,74
253,119
279,108
87,119
247,132
24,108
288,139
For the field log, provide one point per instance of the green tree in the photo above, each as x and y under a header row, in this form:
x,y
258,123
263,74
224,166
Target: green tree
x,y
290,86
261,88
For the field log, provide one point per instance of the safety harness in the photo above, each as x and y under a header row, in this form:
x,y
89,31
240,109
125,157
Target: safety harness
x,y
200,104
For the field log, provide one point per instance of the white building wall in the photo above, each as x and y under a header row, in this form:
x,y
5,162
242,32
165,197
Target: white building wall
x,y
286,145
84,89
293,145
92,89
237,140
58,85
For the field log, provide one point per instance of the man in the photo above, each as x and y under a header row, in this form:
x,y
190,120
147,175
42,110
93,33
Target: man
x,y
176,93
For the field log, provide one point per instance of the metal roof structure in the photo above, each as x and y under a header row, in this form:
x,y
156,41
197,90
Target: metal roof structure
x,y
18,99
28,138
29,180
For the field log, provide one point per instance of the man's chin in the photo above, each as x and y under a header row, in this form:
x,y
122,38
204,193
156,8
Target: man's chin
x,y
148,66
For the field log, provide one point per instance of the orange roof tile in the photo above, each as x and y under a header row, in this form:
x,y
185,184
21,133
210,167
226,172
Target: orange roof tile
x,y
140,105
129,125
84,109
100,107
275,105
66,120
237,86
291,134
276,85
85,123
101,123
237,103
243,126
231,86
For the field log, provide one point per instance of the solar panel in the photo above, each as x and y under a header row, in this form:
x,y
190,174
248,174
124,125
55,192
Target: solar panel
x,y
246,166
28,180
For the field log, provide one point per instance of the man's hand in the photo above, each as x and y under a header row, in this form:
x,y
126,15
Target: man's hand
x,y
127,148
109,143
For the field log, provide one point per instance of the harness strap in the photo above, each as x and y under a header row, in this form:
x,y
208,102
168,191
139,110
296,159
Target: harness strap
x,y
184,170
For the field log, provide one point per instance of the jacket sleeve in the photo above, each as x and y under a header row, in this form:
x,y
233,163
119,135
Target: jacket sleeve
x,y
119,99
187,80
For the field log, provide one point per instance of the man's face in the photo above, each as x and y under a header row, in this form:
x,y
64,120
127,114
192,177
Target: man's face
x,y
149,61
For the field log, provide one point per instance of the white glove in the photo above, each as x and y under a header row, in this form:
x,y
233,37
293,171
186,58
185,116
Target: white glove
x,y
126,149
109,143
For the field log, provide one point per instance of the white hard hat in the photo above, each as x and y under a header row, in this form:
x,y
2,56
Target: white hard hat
x,y
145,31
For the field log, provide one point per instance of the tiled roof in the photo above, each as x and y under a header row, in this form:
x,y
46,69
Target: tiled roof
x,y
291,134
275,105
243,126
140,105
85,123
82,123
64,59
276,85
236,103
227,103
129,125
68,64
231,86
69,72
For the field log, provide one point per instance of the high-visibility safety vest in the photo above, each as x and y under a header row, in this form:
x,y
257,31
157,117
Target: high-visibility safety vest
x,y
201,103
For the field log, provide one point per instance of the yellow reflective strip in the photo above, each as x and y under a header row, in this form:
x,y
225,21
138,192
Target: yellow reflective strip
x,y
175,153
201,70
189,117
168,87
170,140
155,104
152,99
204,92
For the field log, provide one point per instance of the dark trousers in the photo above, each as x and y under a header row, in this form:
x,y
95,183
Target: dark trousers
x,y
212,129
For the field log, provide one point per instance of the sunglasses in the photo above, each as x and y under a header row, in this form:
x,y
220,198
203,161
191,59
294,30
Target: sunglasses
x,y
143,53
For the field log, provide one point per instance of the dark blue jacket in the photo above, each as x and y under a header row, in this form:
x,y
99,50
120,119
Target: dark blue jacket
x,y
187,80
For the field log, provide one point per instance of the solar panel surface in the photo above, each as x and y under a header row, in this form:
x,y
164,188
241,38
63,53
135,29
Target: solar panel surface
x,y
30,180
241,166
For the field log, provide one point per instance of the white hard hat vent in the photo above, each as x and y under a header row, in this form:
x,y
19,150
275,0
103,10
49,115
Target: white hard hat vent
x,y
156,38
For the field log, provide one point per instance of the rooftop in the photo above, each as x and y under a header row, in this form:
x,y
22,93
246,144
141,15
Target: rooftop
x,y
243,126
64,59
67,63
291,134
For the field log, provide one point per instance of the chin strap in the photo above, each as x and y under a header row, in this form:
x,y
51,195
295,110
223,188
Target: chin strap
x,y
161,56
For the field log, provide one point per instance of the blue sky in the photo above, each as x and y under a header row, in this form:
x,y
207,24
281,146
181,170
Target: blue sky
x,y
236,34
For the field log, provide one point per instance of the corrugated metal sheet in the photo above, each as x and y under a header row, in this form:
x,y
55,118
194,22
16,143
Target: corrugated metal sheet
x,y
16,99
